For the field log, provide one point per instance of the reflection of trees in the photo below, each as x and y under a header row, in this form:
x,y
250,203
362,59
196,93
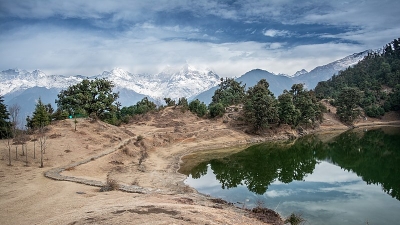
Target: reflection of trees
x,y
199,170
260,165
374,156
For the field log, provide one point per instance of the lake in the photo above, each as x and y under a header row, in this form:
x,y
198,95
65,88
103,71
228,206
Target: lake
x,y
350,178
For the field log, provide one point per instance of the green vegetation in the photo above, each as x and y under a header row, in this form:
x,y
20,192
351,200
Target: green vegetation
x,y
141,107
294,219
377,77
41,116
230,92
93,97
169,101
260,106
307,108
198,108
5,124
183,103
347,102
216,110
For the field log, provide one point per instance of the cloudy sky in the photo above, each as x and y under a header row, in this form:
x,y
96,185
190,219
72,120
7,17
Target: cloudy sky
x,y
231,37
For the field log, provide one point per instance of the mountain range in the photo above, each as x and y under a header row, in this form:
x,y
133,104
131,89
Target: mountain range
x,y
24,88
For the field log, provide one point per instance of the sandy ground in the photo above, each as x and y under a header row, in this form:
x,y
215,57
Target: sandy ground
x,y
149,159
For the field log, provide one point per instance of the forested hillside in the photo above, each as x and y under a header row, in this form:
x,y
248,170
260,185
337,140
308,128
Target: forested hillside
x,y
376,78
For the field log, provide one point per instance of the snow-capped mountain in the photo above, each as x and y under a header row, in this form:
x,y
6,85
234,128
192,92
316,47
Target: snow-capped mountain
x,y
13,80
174,83
323,73
25,88
300,72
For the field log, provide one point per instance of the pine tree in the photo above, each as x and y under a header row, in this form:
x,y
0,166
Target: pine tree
x,y
40,119
5,124
347,104
260,106
41,116
288,113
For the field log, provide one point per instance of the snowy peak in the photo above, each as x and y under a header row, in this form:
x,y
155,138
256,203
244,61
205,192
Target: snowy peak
x,y
300,72
350,60
325,72
14,80
172,82
185,81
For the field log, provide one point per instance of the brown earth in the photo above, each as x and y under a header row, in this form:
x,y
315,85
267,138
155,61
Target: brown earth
x,y
143,158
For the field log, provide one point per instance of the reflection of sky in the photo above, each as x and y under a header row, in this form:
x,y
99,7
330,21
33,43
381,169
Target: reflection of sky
x,y
328,196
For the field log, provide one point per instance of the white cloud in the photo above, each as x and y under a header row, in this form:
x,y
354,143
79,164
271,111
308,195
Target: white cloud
x,y
276,33
274,193
276,45
65,51
329,173
143,45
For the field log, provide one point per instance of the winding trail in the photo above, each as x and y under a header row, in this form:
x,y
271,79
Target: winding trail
x,y
55,173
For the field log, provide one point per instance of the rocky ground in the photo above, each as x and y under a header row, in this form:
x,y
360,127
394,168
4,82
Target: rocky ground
x,y
140,159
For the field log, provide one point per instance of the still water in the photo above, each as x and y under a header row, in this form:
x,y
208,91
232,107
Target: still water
x,y
353,178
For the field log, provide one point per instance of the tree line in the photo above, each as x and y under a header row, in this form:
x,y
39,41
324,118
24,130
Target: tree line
x,y
372,85
96,99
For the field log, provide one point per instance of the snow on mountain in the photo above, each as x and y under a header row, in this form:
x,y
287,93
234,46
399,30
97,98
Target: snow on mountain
x,y
15,80
171,82
174,83
300,72
323,73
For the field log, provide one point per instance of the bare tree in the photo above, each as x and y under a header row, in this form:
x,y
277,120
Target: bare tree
x,y
35,139
14,113
8,144
42,141
26,156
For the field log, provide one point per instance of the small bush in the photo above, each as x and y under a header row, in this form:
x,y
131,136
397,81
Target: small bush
x,y
294,219
197,107
216,110
139,138
110,185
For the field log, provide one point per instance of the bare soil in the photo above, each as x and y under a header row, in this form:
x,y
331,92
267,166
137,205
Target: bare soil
x,y
143,157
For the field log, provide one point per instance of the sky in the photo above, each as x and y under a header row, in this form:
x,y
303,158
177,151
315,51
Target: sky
x,y
230,37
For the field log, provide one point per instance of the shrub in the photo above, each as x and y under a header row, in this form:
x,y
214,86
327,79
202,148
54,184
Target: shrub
x,y
139,138
110,185
294,219
197,107
374,111
217,110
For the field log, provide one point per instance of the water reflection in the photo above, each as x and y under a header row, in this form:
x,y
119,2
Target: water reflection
x,y
372,155
351,179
